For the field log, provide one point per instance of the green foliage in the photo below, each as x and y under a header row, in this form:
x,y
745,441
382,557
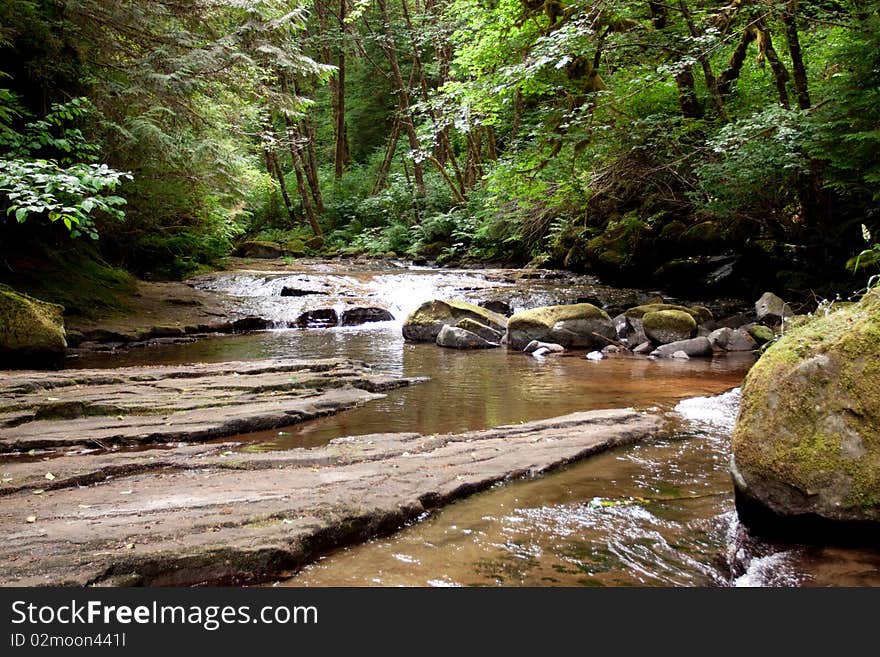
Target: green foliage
x,y
49,169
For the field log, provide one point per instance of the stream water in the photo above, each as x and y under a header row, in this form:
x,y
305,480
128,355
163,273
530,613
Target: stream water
x,y
656,513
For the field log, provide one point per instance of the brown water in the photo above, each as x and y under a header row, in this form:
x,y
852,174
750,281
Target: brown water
x,y
657,513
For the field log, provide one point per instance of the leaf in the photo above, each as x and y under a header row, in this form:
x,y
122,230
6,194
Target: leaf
x,y
126,492
50,476
39,491
31,519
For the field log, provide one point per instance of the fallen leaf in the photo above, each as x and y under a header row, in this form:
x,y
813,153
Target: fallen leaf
x,y
6,480
50,476
31,519
126,492
85,506
39,491
129,546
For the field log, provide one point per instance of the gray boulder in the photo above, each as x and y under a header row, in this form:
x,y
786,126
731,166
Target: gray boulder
x,y
693,348
426,321
486,332
458,338
259,249
534,345
771,310
572,326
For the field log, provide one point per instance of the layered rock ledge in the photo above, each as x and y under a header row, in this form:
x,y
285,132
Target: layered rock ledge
x,y
187,403
208,515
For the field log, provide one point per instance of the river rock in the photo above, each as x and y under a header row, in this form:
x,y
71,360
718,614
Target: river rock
x,y
357,316
500,307
699,313
298,292
426,321
728,339
665,326
572,326
693,348
319,318
31,332
806,447
459,338
549,346
487,333
645,347
260,249
681,355
761,334
629,329
771,310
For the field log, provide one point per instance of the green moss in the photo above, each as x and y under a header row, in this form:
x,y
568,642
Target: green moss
x,y
697,312
549,315
813,392
669,321
761,334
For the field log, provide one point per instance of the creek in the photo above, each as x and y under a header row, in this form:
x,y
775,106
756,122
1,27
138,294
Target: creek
x,y
656,513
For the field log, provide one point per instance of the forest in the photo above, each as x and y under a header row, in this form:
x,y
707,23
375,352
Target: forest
x,y
733,145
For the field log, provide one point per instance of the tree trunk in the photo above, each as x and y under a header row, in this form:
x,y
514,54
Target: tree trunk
x,y
406,117
299,134
687,95
342,157
711,82
274,168
789,19
390,148
780,73
731,74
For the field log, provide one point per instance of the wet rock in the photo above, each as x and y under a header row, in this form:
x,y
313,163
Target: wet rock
x,y
572,326
31,332
357,316
250,324
693,348
424,323
260,249
771,310
644,348
320,318
806,447
629,329
209,515
191,403
549,346
297,292
665,326
458,338
681,355
500,307
487,333
736,321
595,355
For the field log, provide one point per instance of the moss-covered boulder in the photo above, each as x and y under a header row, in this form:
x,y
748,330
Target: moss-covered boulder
x,y
425,322
573,326
806,447
761,334
666,326
260,249
31,332
699,313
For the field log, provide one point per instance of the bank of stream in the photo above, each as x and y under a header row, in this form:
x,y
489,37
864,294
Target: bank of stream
x,y
656,513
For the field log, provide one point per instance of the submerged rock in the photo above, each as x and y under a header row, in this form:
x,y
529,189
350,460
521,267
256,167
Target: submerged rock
x,y
573,326
459,338
806,446
31,332
426,321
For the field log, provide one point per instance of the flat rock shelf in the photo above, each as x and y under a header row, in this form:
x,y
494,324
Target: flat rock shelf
x,y
191,403
203,514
